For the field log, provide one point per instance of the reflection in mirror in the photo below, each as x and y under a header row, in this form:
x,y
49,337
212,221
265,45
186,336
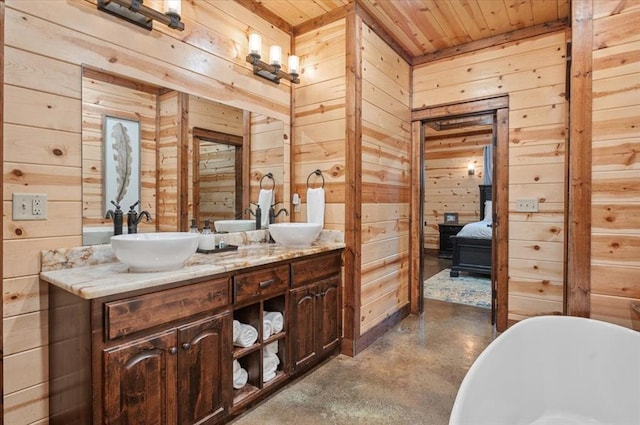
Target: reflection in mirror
x,y
217,176
171,124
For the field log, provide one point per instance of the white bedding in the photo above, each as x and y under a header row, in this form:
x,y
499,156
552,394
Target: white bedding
x,y
479,229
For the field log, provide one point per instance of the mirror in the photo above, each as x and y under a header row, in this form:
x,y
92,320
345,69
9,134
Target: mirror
x,y
196,158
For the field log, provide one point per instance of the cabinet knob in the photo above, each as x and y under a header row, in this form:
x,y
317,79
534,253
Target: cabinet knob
x,y
173,350
186,346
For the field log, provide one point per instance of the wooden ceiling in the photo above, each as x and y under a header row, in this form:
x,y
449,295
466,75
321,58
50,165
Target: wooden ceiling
x,y
426,27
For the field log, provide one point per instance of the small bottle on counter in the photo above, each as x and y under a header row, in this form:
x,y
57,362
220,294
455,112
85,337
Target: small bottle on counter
x,y
194,226
207,240
222,243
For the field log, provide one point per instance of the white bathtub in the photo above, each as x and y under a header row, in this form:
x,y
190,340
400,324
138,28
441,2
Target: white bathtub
x,y
554,370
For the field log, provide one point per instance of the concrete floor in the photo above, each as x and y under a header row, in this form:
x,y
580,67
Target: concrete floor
x,y
410,375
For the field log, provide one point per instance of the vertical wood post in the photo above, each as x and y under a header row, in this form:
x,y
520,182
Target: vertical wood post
x,y
416,228
1,183
353,184
578,286
183,162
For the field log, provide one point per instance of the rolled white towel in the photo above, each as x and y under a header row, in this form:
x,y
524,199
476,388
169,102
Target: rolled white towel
x,y
277,320
269,367
237,327
266,329
247,336
240,378
270,361
271,348
236,366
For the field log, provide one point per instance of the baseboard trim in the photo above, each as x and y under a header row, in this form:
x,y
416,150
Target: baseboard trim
x,y
359,344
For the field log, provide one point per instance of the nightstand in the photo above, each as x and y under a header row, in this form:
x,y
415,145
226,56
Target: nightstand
x,y
446,231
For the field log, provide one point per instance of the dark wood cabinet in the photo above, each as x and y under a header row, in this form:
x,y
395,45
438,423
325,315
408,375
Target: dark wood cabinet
x,y
140,381
176,377
315,310
204,370
446,245
165,356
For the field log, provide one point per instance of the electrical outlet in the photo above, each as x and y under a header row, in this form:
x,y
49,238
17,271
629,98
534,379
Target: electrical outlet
x,y
29,206
527,205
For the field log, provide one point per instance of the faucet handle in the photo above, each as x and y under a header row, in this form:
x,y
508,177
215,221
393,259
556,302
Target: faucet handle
x,y
134,205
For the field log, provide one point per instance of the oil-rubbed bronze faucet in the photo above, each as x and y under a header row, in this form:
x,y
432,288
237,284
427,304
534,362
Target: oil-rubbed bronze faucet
x,y
273,214
257,215
116,216
133,218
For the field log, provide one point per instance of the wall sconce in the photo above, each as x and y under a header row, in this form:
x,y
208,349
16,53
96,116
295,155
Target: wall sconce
x,y
137,13
272,71
471,169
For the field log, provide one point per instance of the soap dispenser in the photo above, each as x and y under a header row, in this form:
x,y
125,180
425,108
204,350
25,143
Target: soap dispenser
x,y
207,240
194,226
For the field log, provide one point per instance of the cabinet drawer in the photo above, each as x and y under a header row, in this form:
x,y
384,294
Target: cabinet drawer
x,y
261,282
316,268
134,314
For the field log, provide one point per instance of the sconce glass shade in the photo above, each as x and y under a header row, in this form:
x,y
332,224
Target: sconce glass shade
x,y
275,55
294,64
471,169
173,7
255,44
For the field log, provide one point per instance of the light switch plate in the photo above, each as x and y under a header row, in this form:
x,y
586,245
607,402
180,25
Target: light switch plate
x,y
29,206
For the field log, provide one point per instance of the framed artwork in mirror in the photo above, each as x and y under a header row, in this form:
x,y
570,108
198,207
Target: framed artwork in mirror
x,y
121,173
451,218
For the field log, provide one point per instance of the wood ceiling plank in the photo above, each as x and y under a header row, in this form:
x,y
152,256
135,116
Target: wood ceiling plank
x,y
470,14
544,11
520,13
495,15
454,30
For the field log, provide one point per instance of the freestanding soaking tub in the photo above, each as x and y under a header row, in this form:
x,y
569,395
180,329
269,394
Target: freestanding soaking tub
x,y
554,370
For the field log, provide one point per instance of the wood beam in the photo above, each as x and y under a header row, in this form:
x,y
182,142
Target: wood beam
x,y
416,227
492,41
2,25
267,15
382,31
353,182
324,19
578,287
183,162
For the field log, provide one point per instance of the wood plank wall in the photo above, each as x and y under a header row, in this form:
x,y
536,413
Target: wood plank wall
x,y
46,44
615,231
100,98
532,72
319,125
167,162
448,185
270,153
386,175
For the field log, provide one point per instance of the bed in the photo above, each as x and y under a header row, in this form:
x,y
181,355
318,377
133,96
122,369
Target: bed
x,y
472,245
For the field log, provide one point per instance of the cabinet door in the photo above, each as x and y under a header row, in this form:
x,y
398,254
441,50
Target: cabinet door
x,y
140,381
204,367
303,328
328,305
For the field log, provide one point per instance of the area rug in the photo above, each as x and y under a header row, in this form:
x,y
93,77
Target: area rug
x,y
464,289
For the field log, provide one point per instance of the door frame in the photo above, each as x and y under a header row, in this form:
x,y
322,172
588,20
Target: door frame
x,y
499,106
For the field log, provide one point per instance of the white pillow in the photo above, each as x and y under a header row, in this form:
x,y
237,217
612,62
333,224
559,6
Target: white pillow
x,y
488,213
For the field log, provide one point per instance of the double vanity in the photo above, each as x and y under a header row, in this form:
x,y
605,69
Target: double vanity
x,y
157,348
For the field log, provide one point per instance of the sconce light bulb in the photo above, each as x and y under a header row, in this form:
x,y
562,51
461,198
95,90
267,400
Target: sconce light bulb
x,y
275,55
471,169
173,7
255,44
294,64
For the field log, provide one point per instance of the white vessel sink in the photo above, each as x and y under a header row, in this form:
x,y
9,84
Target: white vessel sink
x,y
295,235
234,225
154,252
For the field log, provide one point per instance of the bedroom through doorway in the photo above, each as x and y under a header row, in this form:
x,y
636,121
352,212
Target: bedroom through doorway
x,y
461,176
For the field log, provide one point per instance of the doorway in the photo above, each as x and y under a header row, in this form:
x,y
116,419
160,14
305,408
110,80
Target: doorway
x,y
471,114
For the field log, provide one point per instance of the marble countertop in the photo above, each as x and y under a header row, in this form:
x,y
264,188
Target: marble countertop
x,y
98,279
